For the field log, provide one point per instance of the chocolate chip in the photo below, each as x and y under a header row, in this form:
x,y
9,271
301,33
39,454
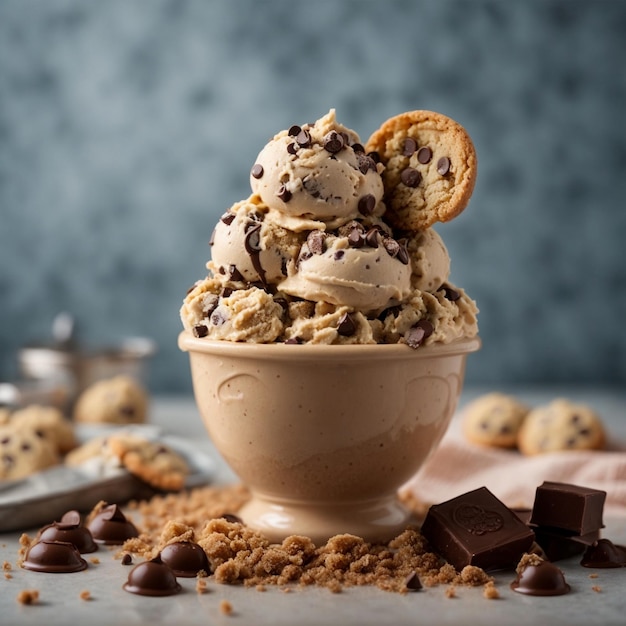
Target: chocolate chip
x,y
374,156
347,325
294,130
257,170
5,440
367,204
416,335
338,255
424,155
443,166
218,318
26,447
371,238
293,341
226,292
127,559
231,517
333,142
357,147
283,193
209,304
412,582
235,274
403,255
7,460
292,148
410,146
315,241
391,246
39,433
451,294
365,163
228,218
426,326
303,139
355,238
410,177
200,331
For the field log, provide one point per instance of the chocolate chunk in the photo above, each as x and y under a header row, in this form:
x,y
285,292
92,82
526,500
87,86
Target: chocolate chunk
x,y
235,274
200,330
209,304
257,170
424,155
292,148
367,204
111,527
186,558
316,241
365,163
604,554
228,218
412,582
410,177
355,238
371,237
333,142
410,146
226,292
283,193
294,131
450,294
303,139
69,530
557,545
443,166
53,557
218,317
476,529
571,508
417,334
152,578
347,326
541,579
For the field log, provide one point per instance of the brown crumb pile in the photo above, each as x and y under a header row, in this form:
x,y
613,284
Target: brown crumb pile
x,y
527,560
240,555
28,596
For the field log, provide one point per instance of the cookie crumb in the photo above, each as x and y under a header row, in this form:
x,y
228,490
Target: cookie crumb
x,y
6,566
226,608
261,588
8,576
28,596
490,592
594,575
451,592
85,595
201,586
597,588
95,560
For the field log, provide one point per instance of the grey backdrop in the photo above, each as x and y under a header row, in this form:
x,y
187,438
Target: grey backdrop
x,y
128,127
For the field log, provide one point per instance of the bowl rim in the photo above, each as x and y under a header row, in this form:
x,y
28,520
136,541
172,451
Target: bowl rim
x,y
188,343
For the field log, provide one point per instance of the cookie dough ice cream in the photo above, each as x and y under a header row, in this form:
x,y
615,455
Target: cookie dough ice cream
x,y
318,254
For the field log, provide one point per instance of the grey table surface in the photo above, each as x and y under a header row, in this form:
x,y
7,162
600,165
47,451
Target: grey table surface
x,y
60,602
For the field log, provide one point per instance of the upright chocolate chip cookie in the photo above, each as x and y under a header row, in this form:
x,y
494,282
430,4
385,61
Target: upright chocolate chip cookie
x,y
430,168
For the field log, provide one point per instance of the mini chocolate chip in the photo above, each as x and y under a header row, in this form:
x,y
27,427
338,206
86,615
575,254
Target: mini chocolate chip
x,y
257,170
412,582
26,446
283,193
371,238
451,294
426,326
365,163
127,559
333,142
338,255
357,147
584,432
315,241
374,156
414,337
218,318
303,139
355,238
391,246
367,204
403,255
225,293
347,325
410,177
39,433
126,410
7,460
209,304
294,130
5,440
443,166
228,218
232,518
235,274
292,148
293,341
200,331
410,146
574,418
424,155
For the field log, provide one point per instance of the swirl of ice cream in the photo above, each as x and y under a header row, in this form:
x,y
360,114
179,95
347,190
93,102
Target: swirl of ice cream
x,y
246,247
319,172
359,267
430,260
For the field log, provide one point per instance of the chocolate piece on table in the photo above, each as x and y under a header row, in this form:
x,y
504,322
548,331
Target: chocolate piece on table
x,y
541,579
69,530
186,558
111,527
558,545
571,508
152,578
604,554
54,557
477,529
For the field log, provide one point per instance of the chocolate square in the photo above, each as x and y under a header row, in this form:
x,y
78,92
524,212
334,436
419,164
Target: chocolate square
x,y
571,508
477,529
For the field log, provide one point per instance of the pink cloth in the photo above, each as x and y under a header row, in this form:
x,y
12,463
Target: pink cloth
x,y
458,466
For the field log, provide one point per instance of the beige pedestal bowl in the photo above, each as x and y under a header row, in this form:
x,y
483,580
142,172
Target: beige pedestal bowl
x,y
325,435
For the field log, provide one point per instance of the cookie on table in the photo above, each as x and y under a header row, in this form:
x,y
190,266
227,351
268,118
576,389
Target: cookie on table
x,y
430,168
494,419
561,425
95,448
49,422
118,400
24,451
151,461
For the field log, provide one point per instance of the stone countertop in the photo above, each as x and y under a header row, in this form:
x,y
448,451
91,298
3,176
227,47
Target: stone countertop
x,y
598,599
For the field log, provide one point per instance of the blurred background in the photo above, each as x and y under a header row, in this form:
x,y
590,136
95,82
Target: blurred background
x,y
128,127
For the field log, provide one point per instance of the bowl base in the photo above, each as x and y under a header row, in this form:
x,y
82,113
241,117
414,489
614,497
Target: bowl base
x,y
376,521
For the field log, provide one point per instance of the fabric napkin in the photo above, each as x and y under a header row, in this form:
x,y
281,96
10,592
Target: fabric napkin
x,y
458,466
